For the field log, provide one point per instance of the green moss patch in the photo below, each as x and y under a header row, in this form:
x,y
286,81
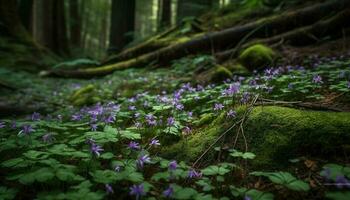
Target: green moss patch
x,y
276,134
257,57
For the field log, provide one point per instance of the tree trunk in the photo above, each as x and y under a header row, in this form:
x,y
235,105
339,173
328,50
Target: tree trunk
x,y
266,27
192,8
122,24
10,22
26,11
75,23
165,13
50,28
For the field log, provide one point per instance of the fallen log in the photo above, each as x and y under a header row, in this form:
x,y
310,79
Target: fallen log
x,y
301,36
218,40
142,48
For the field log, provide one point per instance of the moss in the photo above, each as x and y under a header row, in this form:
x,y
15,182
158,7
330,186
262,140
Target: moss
x,y
84,96
276,134
257,57
237,68
206,118
220,74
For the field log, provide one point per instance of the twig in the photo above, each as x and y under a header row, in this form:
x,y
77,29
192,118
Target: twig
x,y
229,129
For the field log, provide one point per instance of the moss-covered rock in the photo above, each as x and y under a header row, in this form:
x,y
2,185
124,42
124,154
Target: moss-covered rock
x,y
237,68
257,57
220,74
84,96
276,134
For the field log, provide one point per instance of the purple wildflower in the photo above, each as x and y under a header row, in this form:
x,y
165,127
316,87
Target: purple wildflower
x,y
247,198
152,122
77,117
137,190
134,145
232,89
149,116
190,114
218,106
35,116
245,97
13,125
2,125
117,168
187,130
26,129
96,149
93,127
172,165
231,113
168,192
179,106
154,142
193,174
348,85
142,160
317,79
171,121
341,182
137,115
109,189
138,124
132,107
110,119
48,138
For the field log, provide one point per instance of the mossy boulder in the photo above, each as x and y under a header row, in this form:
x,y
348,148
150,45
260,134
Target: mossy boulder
x,y
257,57
237,68
84,96
220,74
275,134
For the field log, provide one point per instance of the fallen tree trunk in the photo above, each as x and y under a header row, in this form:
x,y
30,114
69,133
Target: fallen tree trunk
x,y
142,48
219,40
301,36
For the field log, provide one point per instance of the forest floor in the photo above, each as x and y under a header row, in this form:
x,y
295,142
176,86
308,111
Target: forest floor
x,y
180,132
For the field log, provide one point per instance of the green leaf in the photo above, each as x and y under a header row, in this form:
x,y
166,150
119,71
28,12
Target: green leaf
x,y
12,162
206,184
44,174
35,155
215,170
246,155
104,176
252,193
286,179
41,175
127,134
65,175
183,193
160,176
7,193
107,155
